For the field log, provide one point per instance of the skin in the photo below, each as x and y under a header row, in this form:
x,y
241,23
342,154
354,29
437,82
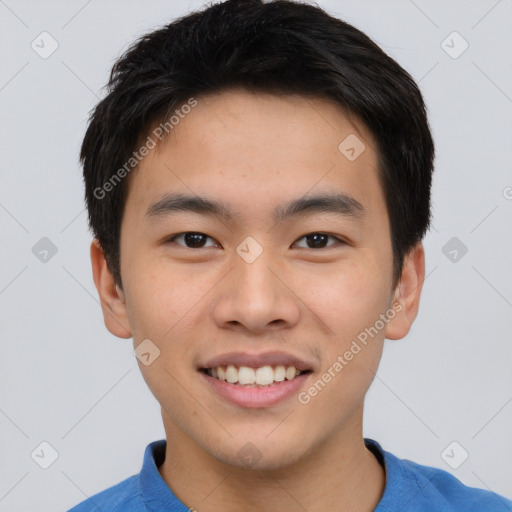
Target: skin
x,y
255,152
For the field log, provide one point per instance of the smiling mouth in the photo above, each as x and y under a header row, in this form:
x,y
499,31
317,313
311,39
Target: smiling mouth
x,y
245,376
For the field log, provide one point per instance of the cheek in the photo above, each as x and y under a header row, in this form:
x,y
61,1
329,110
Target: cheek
x,y
161,309
351,305
351,298
164,306
159,298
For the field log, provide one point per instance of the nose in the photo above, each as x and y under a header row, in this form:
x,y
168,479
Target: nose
x,y
256,297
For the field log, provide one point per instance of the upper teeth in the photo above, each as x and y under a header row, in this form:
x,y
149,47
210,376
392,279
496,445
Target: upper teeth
x,y
265,375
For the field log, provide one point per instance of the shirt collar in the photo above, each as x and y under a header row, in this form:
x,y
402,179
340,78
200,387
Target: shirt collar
x,y
403,484
154,491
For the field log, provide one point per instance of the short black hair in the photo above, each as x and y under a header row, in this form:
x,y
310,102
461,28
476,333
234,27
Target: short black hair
x,y
279,47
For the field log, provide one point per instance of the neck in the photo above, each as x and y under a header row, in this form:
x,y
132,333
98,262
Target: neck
x,y
342,476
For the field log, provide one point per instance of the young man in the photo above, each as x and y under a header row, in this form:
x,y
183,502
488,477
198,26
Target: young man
x,y
258,184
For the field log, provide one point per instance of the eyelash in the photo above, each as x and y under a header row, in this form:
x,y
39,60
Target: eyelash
x,y
174,237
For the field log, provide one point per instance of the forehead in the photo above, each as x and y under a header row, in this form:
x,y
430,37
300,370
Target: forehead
x,y
248,148
231,116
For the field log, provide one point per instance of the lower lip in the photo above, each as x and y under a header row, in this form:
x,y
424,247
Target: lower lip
x,y
256,396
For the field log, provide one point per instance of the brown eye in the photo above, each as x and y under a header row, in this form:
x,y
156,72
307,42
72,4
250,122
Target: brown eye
x,y
191,240
318,240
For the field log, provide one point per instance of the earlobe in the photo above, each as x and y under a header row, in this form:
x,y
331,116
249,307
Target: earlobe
x,y
112,298
407,293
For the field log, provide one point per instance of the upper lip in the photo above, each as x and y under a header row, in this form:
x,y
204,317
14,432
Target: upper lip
x,y
258,360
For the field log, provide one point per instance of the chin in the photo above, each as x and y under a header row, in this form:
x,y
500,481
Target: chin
x,y
260,453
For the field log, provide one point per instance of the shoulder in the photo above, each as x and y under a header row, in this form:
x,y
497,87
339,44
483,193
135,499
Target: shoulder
x,y
123,496
143,491
437,484
415,487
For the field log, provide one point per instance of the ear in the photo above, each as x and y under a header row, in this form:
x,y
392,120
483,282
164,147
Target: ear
x,y
407,293
111,295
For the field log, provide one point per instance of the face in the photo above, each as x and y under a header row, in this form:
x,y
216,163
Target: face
x,y
269,275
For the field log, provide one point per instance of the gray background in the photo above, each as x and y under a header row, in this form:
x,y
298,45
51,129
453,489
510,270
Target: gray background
x,y
67,381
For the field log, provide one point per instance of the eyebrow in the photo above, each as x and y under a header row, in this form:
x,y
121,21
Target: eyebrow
x,y
341,204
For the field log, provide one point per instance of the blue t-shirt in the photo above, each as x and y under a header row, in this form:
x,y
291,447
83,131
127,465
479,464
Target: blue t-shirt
x,y
410,487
